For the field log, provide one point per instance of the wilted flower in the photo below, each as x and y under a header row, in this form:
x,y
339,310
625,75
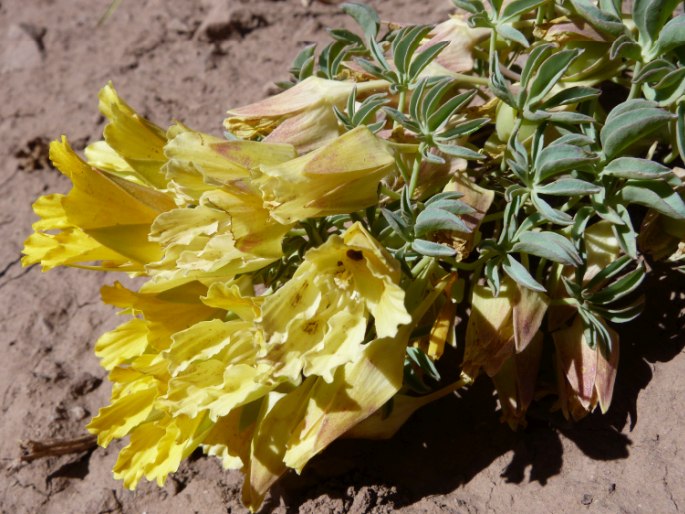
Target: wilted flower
x,y
586,375
457,57
503,338
302,116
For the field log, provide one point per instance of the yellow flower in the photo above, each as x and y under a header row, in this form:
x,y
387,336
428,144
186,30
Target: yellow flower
x,y
130,140
339,178
222,227
317,321
225,235
302,115
294,427
103,218
139,371
200,162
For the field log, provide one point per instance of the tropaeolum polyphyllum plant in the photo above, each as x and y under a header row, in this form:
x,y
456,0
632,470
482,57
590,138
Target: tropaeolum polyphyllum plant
x,y
303,271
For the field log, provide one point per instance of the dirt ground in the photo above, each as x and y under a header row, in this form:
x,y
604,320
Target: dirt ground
x,y
191,60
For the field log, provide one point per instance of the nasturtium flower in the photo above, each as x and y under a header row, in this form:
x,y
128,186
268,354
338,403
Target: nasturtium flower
x,y
227,234
516,381
294,427
586,375
199,162
136,356
302,116
317,321
500,326
102,219
457,57
341,177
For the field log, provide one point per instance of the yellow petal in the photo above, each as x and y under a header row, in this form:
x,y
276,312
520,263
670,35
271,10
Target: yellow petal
x,y
125,342
158,447
358,390
200,162
138,141
280,415
124,414
231,437
103,157
341,177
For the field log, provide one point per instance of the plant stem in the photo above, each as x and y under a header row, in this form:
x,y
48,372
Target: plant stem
x,y
635,88
416,168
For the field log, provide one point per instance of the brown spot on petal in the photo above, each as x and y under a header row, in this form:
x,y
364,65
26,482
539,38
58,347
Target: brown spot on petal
x,y
355,255
311,327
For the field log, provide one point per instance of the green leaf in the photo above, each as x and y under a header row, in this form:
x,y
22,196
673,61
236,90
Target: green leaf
x,y
365,16
435,95
434,219
612,270
650,15
459,151
448,109
463,129
550,246
624,46
549,213
536,56
346,36
471,6
377,52
672,35
520,274
568,187
419,358
619,289
634,168
445,195
680,130
415,100
599,19
625,233
549,73
431,249
636,120
556,159
622,314
571,95
491,273
454,206
302,57
406,43
653,71
512,34
569,117
518,7
397,223
419,63
402,119
655,194
498,84
573,139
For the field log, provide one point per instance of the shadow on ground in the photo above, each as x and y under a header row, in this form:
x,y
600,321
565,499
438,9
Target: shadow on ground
x,y
448,443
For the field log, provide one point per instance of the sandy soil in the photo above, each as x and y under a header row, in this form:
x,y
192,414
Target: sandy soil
x,y
191,61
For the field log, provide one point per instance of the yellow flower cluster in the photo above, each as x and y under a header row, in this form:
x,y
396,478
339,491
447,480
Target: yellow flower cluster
x,y
262,381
